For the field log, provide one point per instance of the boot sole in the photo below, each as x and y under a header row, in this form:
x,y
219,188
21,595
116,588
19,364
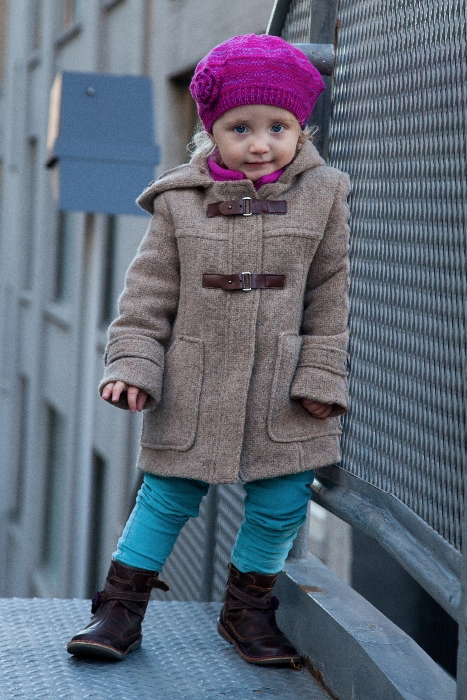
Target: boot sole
x,y
100,651
294,661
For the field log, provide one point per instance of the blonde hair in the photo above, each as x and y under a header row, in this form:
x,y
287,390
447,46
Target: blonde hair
x,y
201,145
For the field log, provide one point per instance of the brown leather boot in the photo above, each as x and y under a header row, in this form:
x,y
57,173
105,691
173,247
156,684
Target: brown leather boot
x,y
118,611
248,620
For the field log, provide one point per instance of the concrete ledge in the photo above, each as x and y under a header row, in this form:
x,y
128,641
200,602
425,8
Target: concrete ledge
x,y
356,652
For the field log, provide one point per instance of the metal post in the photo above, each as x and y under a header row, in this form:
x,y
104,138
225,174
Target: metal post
x,y
323,31
278,16
462,649
322,56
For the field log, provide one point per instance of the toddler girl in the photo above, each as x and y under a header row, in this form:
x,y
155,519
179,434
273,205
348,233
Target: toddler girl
x,y
232,336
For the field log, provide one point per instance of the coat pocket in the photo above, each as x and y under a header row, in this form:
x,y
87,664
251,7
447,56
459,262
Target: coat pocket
x,y
288,421
173,423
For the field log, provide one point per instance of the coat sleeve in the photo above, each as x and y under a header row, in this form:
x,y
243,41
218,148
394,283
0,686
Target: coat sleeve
x,y
146,311
321,373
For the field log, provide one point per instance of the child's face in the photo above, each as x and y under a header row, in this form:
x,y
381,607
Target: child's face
x,y
256,139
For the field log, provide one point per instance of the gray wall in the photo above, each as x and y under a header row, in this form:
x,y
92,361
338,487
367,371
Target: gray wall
x,y
67,460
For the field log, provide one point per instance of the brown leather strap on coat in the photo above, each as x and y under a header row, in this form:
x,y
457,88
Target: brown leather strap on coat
x,y
244,281
246,207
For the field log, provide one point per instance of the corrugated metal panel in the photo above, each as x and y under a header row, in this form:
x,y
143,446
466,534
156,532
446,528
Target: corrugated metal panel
x,y
184,568
398,129
230,513
197,568
297,24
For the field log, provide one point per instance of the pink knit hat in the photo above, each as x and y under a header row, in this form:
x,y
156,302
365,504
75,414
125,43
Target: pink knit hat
x,y
255,69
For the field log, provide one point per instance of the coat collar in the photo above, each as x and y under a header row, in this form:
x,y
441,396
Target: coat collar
x,y
196,174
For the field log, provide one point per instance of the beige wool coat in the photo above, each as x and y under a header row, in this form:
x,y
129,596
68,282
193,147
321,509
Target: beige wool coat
x,y
225,371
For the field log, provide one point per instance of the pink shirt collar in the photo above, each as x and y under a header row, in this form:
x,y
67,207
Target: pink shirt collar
x,y
220,174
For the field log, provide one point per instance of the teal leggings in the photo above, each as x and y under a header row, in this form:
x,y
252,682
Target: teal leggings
x,y
274,511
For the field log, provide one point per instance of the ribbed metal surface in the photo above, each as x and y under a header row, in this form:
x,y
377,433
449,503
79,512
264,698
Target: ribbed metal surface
x,y
197,568
185,568
297,23
398,129
229,516
182,657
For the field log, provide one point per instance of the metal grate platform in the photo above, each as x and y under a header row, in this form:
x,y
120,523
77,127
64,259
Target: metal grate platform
x,y
182,658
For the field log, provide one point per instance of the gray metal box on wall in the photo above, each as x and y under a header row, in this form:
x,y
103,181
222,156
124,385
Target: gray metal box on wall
x,y
101,141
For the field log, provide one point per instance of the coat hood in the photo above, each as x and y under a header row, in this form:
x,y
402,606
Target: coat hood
x,y
196,174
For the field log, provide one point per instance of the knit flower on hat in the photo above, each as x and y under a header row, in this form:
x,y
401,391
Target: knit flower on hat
x,y
206,88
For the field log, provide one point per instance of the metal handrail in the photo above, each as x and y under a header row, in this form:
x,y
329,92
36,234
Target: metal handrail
x,y
427,557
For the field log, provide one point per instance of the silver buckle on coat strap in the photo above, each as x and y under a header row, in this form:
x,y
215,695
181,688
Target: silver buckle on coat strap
x,y
247,209
246,281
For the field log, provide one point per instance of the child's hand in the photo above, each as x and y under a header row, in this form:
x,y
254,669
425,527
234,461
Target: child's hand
x,y
136,397
316,408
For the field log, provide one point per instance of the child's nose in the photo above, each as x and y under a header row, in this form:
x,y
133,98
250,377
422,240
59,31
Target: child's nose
x,y
259,145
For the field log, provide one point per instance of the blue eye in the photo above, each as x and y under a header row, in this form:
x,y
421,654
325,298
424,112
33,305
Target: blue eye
x,y
240,129
277,128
